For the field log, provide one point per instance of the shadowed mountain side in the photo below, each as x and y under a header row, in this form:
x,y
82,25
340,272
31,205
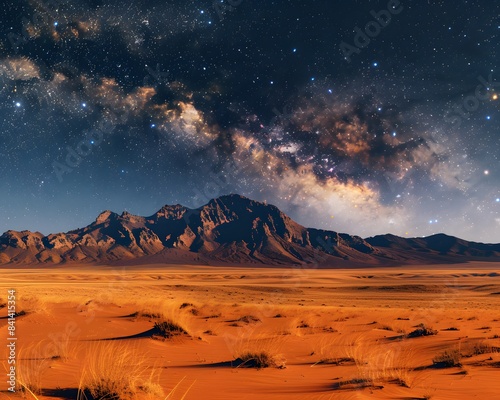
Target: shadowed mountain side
x,y
228,230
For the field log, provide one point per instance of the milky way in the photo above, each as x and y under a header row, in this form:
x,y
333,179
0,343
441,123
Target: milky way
x,y
368,117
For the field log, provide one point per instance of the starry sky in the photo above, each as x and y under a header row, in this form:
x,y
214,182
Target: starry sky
x,y
365,117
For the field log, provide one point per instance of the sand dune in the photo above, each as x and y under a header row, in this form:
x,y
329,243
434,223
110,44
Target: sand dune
x,y
382,333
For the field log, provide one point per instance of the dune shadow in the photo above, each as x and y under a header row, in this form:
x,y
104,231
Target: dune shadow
x,y
355,384
146,334
222,364
237,363
394,338
66,394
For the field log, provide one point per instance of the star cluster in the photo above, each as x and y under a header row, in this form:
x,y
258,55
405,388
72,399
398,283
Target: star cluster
x,y
106,105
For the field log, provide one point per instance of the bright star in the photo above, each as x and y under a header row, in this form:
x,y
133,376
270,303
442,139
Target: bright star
x,y
18,104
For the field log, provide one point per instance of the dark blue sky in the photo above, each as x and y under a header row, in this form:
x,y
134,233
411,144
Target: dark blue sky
x,y
364,116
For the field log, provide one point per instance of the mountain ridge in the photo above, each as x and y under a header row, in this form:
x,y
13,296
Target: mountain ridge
x,y
230,229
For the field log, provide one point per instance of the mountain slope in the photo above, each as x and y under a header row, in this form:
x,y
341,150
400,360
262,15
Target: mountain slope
x,y
228,230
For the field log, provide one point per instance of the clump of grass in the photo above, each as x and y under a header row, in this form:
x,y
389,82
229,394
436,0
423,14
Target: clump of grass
x,y
248,319
386,328
356,383
115,372
146,314
31,364
257,360
336,361
447,359
212,316
259,353
166,328
185,305
422,330
476,348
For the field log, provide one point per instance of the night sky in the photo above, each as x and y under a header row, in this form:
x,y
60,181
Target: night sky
x,y
343,122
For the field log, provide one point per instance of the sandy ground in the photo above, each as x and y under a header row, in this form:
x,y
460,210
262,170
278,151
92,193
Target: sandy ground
x,y
331,334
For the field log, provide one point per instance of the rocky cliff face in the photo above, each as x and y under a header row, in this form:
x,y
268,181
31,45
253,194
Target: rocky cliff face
x,y
230,229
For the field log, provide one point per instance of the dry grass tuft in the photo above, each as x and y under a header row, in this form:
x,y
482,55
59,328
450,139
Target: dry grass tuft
x,y
114,371
447,359
166,329
422,330
31,365
260,353
476,348
259,360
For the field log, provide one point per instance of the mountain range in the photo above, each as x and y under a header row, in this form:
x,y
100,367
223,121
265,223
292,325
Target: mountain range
x,y
229,230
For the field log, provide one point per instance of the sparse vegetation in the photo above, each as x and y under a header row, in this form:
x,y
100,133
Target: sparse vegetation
x,y
115,371
166,328
259,353
447,359
248,319
259,360
477,347
422,330
357,383
31,364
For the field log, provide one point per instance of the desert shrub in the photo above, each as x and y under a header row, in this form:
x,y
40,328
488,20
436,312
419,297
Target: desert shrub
x,y
166,328
447,359
248,319
259,360
476,348
115,372
422,330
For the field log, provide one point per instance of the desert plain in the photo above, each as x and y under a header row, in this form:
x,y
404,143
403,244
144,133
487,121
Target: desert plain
x,y
193,332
